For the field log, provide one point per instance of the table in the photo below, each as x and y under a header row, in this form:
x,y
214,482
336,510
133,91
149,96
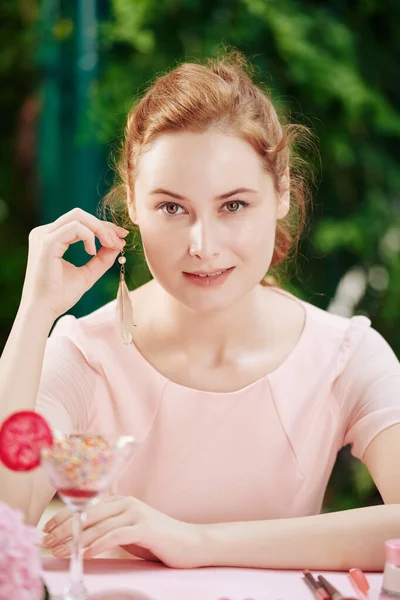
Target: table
x,y
107,578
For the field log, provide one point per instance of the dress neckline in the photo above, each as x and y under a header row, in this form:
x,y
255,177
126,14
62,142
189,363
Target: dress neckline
x,y
261,380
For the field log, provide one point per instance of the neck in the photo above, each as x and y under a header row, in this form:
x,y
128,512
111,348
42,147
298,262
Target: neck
x,y
217,334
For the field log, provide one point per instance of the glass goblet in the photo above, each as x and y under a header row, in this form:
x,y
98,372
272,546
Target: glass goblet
x,y
81,466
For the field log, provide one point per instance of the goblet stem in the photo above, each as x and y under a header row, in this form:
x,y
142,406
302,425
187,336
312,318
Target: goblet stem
x,y
76,589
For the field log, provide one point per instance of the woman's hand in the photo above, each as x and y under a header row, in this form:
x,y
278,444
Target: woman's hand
x,y
128,522
52,281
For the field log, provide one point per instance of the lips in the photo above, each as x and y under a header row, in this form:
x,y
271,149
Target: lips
x,y
208,280
212,274
209,273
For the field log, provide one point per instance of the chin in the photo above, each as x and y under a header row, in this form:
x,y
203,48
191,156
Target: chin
x,y
207,306
196,300
206,301
213,300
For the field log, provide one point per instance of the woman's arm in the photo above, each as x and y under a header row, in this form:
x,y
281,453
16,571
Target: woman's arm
x,y
20,370
57,382
331,541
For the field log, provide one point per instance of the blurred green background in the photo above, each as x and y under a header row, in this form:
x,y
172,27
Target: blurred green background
x,y
70,70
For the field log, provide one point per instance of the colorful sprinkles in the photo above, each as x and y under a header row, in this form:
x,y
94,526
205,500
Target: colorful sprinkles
x,y
79,462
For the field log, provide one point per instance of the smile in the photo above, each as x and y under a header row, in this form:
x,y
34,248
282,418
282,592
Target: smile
x,y
210,274
207,279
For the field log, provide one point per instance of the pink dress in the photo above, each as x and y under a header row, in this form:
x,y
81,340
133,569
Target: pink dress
x,y
263,452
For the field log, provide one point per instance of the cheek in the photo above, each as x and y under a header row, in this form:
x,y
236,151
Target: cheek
x,y
161,248
256,249
257,239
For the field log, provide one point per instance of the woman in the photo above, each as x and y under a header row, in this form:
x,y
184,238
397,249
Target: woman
x,y
239,394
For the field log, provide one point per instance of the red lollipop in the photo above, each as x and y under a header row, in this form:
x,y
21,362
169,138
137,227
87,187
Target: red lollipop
x,y
22,435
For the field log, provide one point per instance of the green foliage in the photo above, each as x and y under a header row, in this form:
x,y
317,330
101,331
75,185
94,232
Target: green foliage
x,y
46,593
332,67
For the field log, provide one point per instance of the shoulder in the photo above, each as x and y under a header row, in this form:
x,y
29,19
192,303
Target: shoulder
x,y
101,319
337,336
333,325
99,327
328,328
351,342
90,332
328,341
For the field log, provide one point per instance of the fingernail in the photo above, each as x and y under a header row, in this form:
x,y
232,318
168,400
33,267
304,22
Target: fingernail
x,y
49,540
61,551
50,525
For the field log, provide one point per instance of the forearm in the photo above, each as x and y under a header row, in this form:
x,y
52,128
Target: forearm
x,y
331,541
22,359
20,370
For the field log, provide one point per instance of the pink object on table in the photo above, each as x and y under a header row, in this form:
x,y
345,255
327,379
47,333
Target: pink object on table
x,y
393,551
20,567
158,582
359,581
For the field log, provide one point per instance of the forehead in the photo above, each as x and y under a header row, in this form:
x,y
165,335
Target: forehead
x,y
187,159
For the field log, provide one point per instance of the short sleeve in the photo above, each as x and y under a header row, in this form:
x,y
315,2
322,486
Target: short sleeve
x,y
67,382
368,391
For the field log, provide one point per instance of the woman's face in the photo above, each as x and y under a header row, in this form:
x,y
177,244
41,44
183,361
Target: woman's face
x,y
204,204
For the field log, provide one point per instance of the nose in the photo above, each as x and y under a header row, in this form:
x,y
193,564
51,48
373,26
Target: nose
x,y
204,240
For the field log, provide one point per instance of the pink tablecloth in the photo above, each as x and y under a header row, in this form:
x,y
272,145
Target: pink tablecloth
x,y
107,578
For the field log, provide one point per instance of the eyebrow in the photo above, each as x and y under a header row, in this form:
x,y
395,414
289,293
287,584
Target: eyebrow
x,y
221,197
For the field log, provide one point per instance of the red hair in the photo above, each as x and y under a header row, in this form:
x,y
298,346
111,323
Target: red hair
x,y
219,95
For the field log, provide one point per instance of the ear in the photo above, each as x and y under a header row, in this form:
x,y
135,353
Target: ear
x,y
284,196
131,208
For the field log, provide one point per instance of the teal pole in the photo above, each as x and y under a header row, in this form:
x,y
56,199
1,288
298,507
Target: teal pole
x,y
87,150
71,159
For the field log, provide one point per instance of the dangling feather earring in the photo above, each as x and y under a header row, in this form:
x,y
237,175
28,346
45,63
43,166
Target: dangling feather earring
x,y
124,305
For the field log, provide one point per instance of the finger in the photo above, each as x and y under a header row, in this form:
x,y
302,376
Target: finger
x,y
99,531
98,265
116,537
60,239
105,526
65,513
89,535
59,517
78,214
106,231
64,550
95,514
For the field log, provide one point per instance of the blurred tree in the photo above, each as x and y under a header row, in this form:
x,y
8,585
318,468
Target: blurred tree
x,y
18,179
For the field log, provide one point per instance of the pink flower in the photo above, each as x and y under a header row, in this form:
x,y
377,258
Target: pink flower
x,y
20,567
